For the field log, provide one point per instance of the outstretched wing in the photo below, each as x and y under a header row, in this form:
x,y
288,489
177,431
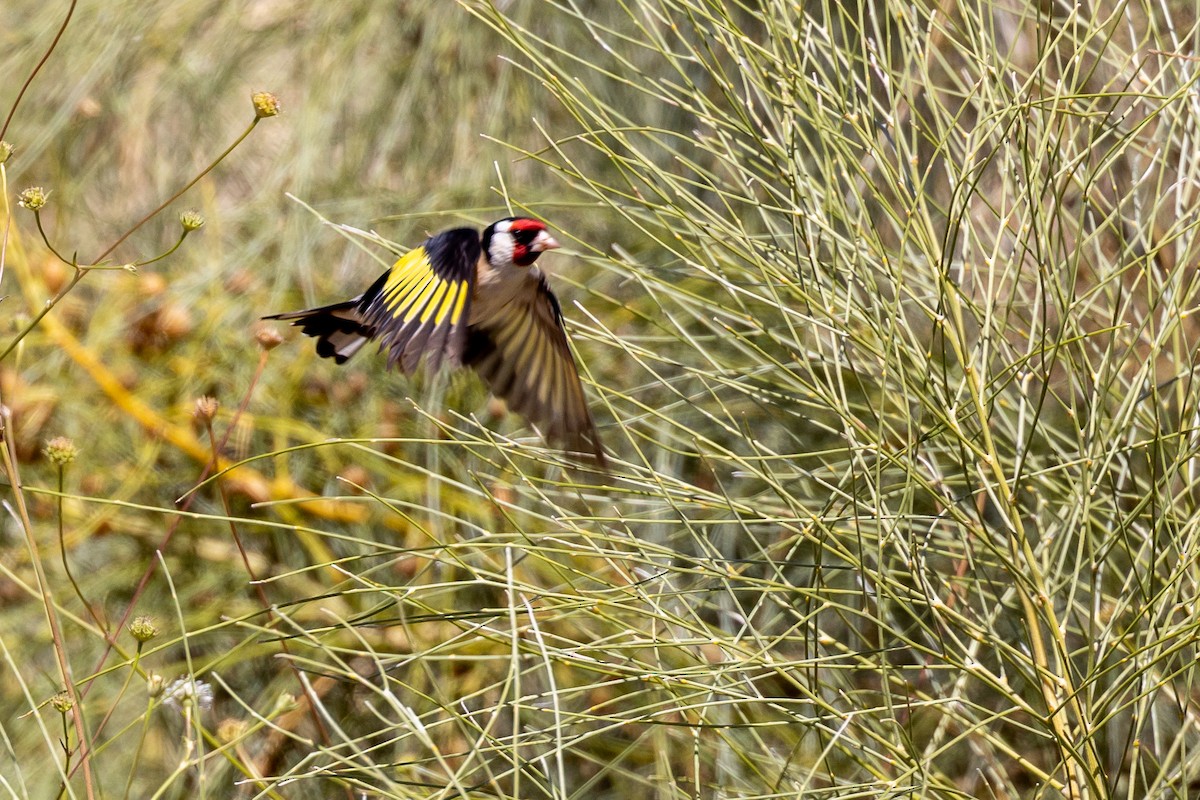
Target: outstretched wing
x,y
523,355
421,305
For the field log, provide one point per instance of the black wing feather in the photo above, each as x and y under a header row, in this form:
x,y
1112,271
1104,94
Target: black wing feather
x,y
420,306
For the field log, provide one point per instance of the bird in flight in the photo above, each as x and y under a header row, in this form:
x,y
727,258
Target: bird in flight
x,y
466,299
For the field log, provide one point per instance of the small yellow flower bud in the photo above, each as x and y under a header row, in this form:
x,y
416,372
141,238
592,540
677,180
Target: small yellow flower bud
x,y
206,408
6,151
154,684
61,451
230,729
191,220
143,629
32,198
265,104
62,702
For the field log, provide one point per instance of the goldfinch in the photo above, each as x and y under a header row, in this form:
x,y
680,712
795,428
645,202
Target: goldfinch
x,y
463,299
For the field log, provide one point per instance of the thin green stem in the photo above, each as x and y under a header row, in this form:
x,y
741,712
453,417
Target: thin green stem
x,y
174,523
37,217
46,57
259,589
174,247
66,746
81,271
142,741
9,456
178,194
62,548
50,304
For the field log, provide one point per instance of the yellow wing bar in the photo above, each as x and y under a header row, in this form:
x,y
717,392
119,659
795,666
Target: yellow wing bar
x,y
420,306
414,291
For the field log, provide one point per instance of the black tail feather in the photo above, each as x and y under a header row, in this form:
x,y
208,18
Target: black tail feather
x,y
338,329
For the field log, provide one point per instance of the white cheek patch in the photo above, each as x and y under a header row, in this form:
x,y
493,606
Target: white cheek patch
x,y
500,251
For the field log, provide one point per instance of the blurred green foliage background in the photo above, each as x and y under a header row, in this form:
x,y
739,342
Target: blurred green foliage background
x,y
885,313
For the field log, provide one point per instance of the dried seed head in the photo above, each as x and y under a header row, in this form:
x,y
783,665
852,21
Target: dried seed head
x,y
267,337
206,408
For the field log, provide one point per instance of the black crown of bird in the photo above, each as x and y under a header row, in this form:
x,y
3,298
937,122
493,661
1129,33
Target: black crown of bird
x,y
466,299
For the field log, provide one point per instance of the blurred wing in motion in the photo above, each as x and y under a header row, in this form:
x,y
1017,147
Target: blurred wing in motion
x,y
421,305
523,355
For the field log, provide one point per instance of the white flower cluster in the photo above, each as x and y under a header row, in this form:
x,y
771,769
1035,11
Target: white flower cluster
x,y
187,691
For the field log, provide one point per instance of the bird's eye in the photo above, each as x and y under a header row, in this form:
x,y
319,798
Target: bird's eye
x,y
524,236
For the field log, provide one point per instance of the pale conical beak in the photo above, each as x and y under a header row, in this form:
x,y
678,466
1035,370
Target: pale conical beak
x,y
543,242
